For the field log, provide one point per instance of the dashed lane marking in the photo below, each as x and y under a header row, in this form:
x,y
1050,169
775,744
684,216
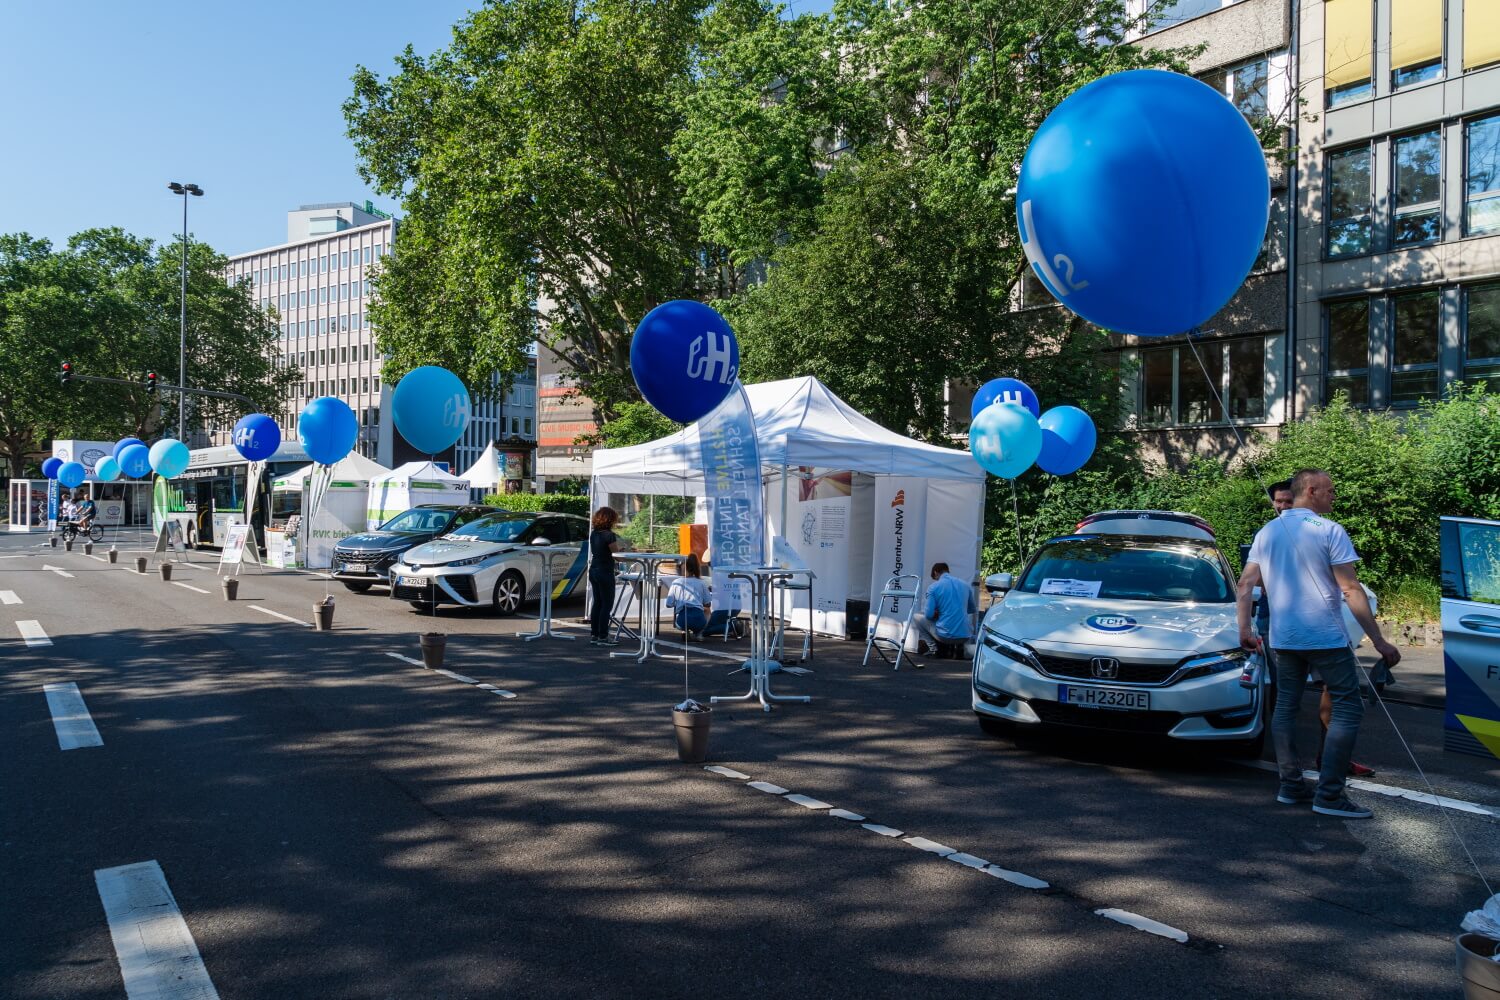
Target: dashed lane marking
x,y
808,801
930,846
407,659
158,958
768,788
58,570
9,597
31,630
1143,923
492,689
70,717
1392,791
278,614
96,558
187,586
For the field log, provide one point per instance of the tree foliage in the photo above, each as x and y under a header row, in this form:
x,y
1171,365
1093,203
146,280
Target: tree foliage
x,y
109,304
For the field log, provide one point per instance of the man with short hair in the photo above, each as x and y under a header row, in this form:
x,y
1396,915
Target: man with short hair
x,y
1303,560
950,606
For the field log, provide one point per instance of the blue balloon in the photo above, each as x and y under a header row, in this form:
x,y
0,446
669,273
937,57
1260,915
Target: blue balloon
x,y
1068,439
124,443
327,429
169,457
431,408
50,467
685,359
72,474
1142,202
1005,439
106,470
135,461
1004,390
256,437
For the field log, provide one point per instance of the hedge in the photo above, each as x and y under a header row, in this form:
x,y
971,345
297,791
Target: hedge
x,y
551,503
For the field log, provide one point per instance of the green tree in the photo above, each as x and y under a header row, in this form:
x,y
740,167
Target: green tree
x,y
534,160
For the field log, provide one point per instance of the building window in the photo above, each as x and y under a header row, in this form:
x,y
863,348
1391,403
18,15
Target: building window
x,y
366,385
346,259
343,387
1348,353
1177,389
1482,335
344,355
1157,377
1482,176
1033,292
367,352
1416,41
1198,385
1481,33
1414,347
377,383
1348,36
1418,182
1247,86
1349,223
526,424
367,255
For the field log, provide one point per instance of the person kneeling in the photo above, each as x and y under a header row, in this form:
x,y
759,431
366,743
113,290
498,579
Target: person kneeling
x,y
688,595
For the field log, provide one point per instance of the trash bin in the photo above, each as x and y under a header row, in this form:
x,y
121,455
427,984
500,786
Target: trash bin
x,y
231,587
323,614
114,554
140,564
434,645
692,734
165,568
1477,968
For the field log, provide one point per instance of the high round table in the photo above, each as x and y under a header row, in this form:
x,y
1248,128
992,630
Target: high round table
x,y
761,665
650,604
548,555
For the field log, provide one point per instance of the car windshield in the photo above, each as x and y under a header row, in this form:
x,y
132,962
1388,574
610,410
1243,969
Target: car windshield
x,y
419,520
1126,568
501,527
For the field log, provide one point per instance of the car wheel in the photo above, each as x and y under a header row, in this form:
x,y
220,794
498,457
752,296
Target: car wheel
x,y
993,726
510,590
358,586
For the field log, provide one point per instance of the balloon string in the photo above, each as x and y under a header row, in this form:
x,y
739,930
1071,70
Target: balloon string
x,y
1015,506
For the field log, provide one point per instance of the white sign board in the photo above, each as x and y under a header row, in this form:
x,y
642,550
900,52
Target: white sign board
x,y
234,546
170,537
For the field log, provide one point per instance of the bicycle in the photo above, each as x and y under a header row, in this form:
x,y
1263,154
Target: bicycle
x,y
70,531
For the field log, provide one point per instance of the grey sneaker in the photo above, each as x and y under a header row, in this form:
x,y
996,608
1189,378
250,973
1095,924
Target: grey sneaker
x,y
1295,795
1343,809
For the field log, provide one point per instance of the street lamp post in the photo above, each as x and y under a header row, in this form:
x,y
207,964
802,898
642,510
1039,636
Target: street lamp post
x,y
184,190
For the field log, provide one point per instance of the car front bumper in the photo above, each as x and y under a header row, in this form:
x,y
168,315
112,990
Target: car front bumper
x,y
438,584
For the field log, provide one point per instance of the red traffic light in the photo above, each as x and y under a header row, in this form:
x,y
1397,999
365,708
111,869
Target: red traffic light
x,y
151,381
67,372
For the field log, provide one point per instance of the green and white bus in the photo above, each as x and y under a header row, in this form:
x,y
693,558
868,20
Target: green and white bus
x,y
211,494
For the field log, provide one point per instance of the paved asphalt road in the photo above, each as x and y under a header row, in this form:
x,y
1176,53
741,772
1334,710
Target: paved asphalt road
x,y
334,822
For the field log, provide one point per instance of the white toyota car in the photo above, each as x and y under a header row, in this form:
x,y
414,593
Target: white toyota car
x,y
1127,625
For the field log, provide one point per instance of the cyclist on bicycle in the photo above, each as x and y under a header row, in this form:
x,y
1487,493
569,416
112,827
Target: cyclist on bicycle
x,y
85,513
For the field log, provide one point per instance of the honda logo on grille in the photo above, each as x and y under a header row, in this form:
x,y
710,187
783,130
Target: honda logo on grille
x,y
1105,667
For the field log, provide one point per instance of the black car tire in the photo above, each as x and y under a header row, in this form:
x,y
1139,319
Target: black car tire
x,y
358,586
510,592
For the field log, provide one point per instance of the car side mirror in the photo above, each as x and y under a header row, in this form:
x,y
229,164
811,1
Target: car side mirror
x,y
540,541
999,583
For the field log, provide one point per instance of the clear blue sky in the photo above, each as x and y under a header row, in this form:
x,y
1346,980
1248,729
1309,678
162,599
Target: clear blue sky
x,y
102,102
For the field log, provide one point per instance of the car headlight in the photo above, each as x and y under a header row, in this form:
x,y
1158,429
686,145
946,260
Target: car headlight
x,y
471,561
1215,663
1013,649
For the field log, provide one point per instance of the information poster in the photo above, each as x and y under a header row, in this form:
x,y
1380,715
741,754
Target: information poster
x,y
818,527
233,552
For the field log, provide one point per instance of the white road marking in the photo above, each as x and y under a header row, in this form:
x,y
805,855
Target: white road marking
x,y
808,801
846,814
32,631
458,677
884,831
501,692
96,558
408,659
57,570
767,787
800,671
967,860
1143,923
727,772
1393,791
9,597
278,614
187,586
931,846
158,958
70,717
1016,878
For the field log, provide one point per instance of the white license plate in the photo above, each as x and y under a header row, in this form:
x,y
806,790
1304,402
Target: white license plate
x,y
411,581
1092,697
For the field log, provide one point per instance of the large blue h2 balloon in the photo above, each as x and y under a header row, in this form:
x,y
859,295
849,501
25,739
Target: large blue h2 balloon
x,y
327,429
1004,390
1142,202
72,474
256,437
50,467
685,359
431,408
135,460
124,443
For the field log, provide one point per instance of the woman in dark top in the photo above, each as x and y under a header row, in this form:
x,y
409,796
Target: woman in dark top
x,y
603,544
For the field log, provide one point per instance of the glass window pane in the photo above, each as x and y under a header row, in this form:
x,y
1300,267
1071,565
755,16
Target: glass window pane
x,y
1418,184
1355,386
1482,176
1349,202
1172,14
1197,393
1416,329
1249,85
1481,33
1349,336
1482,321
1156,382
1348,34
1033,292
1247,379
1416,41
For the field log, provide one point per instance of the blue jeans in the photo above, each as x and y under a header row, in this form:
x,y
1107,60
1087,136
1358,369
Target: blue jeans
x,y
690,619
1340,672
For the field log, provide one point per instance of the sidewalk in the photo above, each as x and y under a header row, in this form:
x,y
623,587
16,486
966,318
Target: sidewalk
x,y
1419,675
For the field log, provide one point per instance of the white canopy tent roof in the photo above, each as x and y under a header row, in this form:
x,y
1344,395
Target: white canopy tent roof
x,y
351,466
424,471
798,421
486,473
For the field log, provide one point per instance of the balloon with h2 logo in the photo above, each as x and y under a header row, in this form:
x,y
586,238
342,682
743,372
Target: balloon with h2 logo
x,y
50,467
431,408
124,443
685,359
169,457
107,469
1142,202
1068,439
135,460
1004,390
1005,439
327,429
72,474
256,437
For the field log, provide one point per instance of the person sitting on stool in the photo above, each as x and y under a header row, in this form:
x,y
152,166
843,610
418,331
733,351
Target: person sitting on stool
x,y
950,607
689,595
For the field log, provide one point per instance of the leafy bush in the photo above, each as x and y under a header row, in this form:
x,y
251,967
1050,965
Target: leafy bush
x,y
552,503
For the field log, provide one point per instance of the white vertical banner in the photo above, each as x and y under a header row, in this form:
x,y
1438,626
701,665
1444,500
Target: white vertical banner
x,y
954,516
898,544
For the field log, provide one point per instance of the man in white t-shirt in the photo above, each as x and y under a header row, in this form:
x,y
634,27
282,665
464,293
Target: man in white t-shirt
x,y
1305,563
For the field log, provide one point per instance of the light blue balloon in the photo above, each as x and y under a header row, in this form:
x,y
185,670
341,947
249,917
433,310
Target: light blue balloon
x,y
1068,439
107,470
72,474
1005,439
431,408
124,443
1142,202
135,461
169,458
327,429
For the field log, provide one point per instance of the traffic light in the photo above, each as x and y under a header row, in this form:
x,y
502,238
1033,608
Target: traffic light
x,y
151,381
67,373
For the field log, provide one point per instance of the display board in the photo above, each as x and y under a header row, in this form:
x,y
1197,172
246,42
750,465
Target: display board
x,y
233,552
